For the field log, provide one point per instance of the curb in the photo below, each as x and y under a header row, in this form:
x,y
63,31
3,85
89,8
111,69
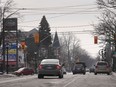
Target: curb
x,y
7,75
113,73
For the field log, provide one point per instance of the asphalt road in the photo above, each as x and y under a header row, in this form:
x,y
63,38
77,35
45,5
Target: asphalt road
x,y
69,80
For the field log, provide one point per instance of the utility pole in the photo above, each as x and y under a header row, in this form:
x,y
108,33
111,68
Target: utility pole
x,y
35,53
3,48
7,46
114,58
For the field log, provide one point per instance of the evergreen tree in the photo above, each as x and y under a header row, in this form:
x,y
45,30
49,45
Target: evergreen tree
x,y
44,32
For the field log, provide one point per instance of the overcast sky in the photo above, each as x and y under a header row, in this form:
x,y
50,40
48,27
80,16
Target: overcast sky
x,y
62,16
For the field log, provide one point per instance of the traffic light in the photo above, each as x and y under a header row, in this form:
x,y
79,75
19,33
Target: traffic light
x,y
36,38
23,45
95,39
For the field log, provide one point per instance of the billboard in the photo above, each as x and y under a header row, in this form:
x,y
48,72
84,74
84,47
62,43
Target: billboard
x,y
11,53
10,24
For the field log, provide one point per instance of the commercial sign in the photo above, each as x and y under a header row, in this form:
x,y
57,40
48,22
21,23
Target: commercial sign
x,y
11,53
10,24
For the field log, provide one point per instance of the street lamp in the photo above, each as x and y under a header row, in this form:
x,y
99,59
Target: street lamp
x,y
7,46
35,53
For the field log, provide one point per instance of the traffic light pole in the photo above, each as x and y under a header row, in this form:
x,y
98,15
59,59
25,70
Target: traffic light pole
x,y
17,50
3,48
114,58
7,58
35,53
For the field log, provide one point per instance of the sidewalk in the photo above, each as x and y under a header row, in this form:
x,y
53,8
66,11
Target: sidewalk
x,y
114,73
5,75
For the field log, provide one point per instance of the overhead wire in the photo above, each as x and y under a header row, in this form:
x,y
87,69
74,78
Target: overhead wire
x,y
85,11
61,26
77,9
51,8
74,32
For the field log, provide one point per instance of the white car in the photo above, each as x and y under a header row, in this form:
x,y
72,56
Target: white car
x,y
102,67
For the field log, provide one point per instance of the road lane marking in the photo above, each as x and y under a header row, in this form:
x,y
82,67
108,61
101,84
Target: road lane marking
x,y
69,82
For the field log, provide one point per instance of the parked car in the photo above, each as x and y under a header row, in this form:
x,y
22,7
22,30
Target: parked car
x,y
79,67
102,67
24,71
50,67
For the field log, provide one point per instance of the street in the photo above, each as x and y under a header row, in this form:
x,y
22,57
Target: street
x,y
69,80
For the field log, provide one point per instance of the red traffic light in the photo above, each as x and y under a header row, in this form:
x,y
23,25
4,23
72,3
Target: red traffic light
x,y
95,39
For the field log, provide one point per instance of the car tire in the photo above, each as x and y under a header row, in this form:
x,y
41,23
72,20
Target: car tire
x,y
32,73
95,73
18,74
60,76
73,73
40,76
108,73
84,73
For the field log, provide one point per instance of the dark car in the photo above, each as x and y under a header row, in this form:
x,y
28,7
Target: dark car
x,y
50,67
79,67
24,71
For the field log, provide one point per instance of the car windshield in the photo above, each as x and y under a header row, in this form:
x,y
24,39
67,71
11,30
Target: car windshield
x,y
20,69
102,64
78,65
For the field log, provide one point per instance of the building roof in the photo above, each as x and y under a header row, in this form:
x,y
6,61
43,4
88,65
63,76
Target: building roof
x,y
56,43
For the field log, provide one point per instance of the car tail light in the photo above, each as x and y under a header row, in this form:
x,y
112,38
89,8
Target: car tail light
x,y
107,66
40,67
58,67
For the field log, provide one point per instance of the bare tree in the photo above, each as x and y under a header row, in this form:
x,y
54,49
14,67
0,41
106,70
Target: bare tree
x,y
68,42
107,24
106,3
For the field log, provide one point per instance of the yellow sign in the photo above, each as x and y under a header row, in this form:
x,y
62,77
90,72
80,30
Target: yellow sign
x,y
12,51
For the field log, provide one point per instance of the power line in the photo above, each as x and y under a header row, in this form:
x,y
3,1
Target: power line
x,y
74,32
63,26
85,11
70,26
51,8
92,9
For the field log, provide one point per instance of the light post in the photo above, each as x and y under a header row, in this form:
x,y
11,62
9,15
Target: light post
x,y
7,46
35,53
25,59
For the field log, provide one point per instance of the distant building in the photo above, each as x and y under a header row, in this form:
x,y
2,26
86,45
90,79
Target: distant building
x,y
56,46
